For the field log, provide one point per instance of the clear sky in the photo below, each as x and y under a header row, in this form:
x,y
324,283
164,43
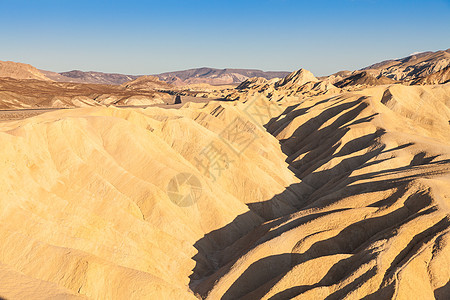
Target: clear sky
x,y
148,37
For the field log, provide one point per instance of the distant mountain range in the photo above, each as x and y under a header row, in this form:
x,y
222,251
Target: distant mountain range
x,y
216,76
89,77
201,75
406,70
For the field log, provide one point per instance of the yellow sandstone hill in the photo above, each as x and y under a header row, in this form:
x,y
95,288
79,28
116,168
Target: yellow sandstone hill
x,y
333,196
85,204
373,204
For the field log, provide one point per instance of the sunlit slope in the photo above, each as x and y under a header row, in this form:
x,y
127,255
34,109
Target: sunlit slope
x,y
85,202
376,222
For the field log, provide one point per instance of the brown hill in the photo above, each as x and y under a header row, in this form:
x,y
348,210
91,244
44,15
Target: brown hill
x,y
178,78
92,77
20,71
414,66
16,93
216,76
364,78
405,69
443,76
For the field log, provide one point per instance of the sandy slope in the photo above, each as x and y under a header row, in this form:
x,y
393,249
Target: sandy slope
x,y
85,206
375,224
90,199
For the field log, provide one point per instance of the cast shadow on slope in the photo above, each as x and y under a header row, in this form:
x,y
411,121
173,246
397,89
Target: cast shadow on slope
x,y
216,258
354,239
443,292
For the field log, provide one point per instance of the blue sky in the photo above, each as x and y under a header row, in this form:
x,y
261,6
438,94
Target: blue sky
x,y
147,37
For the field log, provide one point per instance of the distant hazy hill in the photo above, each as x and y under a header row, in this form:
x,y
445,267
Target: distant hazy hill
x,y
408,69
90,77
147,82
216,76
192,76
20,71
364,78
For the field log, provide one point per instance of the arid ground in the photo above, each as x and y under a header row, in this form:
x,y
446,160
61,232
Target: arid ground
x,y
299,187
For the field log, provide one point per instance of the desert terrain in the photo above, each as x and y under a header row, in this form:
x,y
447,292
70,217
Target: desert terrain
x,y
297,187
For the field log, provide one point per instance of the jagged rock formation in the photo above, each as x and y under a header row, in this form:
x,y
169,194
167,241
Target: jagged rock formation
x,y
295,79
364,79
299,84
252,83
405,70
414,66
441,77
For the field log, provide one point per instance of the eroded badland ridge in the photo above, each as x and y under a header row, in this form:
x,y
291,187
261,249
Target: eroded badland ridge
x,y
287,188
